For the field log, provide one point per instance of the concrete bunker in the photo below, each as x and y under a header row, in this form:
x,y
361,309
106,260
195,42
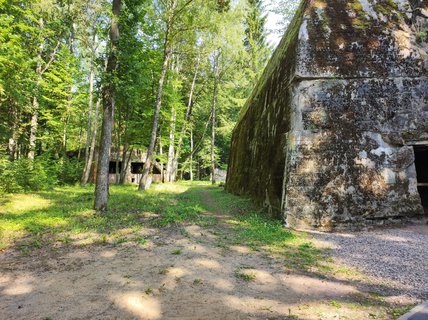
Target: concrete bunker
x,y
337,112
131,166
421,164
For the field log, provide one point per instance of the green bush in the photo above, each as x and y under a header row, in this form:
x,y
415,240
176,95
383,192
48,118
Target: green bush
x,y
24,175
69,171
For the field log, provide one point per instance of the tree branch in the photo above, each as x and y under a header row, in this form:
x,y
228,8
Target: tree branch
x,y
53,55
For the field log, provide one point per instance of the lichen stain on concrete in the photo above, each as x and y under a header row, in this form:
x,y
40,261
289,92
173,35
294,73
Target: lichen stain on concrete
x,y
325,139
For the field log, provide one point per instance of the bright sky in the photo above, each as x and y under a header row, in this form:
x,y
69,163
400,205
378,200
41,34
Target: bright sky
x,y
274,36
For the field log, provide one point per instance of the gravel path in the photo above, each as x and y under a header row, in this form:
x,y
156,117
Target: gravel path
x,y
396,257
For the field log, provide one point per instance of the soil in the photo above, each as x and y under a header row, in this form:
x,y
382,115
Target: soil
x,y
181,273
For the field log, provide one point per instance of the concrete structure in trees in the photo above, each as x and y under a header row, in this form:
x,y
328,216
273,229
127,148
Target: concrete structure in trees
x,y
335,135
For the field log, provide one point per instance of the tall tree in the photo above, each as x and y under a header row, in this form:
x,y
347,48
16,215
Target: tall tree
x,y
89,35
42,65
216,72
102,179
170,16
255,38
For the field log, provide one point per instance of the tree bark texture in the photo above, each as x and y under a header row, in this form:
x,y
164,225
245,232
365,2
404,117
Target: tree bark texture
x,y
88,164
102,179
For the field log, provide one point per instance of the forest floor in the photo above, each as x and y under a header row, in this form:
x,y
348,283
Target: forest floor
x,y
178,251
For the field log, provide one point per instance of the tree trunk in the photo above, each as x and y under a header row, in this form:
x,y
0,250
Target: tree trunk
x,y
170,176
102,179
186,119
88,165
69,96
117,163
79,142
35,104
13,140
145,181
191,155
90,109
216,73
161,154
125,163
64,134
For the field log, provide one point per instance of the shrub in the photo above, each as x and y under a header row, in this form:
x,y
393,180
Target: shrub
x,y
70,171
24,175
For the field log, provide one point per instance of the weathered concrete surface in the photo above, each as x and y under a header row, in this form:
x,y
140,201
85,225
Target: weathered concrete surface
x,y
326,138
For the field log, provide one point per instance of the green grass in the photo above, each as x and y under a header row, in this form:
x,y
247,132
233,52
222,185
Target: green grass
x,y
398,312
176,252
253,228
64,216
246,276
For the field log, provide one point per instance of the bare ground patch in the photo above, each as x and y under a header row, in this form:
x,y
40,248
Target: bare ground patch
x,y
186,270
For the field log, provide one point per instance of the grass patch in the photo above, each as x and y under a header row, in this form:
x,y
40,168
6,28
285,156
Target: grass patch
x,y
31,221
398,312
253,228
64,217
246,276
176,252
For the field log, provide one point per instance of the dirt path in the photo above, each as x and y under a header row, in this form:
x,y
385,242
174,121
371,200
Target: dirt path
x,y
183,272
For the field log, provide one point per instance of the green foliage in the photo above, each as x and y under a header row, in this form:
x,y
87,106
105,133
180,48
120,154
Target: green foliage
x,y
245,275
422,36
69,170
24,175
176,251
49,49
398,312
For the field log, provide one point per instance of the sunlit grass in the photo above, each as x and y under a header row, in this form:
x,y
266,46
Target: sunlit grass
x,y
255,229
64,216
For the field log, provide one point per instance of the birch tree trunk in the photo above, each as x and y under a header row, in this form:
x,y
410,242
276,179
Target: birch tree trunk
x,y
213,115
171,152
102,179
145,181
90,110
191,154
88,164
13,140
35,103
186,120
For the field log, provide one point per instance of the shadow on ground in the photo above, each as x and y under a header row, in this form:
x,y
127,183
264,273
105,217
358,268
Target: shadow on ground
x,y
177,252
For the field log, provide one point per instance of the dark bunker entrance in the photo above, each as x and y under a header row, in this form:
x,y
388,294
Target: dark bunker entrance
x,y
421,163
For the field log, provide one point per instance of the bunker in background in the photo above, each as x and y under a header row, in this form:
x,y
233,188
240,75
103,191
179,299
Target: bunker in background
x,y
327,138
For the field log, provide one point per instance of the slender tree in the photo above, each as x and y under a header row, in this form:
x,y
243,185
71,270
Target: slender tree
x,y
213,113
145,181
102,179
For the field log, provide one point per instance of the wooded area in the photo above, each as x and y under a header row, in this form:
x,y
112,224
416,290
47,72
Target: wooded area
x,y
81,79
312,193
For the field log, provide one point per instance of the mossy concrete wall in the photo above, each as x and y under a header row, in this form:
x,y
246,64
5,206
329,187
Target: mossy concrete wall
x,y
325,141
